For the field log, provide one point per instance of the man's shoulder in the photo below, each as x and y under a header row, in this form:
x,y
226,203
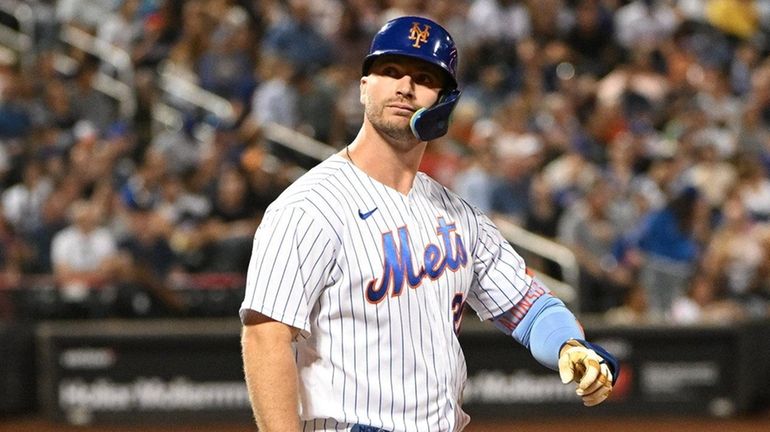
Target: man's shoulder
x,y
314,192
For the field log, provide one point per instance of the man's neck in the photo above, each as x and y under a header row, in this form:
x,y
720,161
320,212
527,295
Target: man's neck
x,y
385,161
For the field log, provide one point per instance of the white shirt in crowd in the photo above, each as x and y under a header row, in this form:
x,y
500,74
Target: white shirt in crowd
x,y
82,251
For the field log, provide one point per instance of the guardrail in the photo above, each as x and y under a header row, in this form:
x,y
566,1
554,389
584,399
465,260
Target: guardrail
x,y
120,88
21,40
567,290
190,93
176,86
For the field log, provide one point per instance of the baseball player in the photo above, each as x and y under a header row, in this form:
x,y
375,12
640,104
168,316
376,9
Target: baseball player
x,y
360,271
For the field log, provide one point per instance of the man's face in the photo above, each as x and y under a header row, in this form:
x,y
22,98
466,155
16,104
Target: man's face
x,y
395,88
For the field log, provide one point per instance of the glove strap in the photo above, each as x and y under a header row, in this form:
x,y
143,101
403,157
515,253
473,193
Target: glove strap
x,y
608,358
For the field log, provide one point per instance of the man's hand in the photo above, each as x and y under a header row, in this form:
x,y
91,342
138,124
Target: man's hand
x,y
593,369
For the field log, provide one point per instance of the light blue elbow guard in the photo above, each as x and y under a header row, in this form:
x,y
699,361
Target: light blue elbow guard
x,y
543,328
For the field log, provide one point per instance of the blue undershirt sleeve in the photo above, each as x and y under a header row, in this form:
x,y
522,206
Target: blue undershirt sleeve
x,y
544,329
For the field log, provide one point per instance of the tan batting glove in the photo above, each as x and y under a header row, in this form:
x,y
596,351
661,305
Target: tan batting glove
x,y
589,370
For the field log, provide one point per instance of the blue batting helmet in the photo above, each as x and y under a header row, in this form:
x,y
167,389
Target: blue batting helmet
x,y
416,37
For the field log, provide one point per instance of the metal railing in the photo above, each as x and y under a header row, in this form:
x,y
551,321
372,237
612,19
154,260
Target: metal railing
x,y
567,289
175,85
120,88
22,40
116,57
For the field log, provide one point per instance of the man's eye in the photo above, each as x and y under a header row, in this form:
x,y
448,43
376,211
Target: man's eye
x,y
425,79
391,72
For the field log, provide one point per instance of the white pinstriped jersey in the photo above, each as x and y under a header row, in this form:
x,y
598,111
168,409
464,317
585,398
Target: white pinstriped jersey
x,y
376,281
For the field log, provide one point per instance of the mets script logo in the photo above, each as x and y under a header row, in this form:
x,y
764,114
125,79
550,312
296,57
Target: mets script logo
x,y
417,35
398,267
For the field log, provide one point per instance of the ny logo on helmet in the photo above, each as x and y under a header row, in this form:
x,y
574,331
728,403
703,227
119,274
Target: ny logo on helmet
x,y
417,35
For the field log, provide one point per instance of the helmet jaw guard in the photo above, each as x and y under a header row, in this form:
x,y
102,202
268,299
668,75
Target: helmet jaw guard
x,y
423,39
430,123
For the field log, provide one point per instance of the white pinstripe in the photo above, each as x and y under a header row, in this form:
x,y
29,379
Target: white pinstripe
x,y
395,364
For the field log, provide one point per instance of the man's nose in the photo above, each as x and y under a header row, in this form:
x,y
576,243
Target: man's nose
x,y
405,86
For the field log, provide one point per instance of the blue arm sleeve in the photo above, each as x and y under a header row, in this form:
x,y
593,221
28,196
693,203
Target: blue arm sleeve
x,y
544,329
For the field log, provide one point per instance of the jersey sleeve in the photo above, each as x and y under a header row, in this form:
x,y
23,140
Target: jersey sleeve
x,y
290,264
500,278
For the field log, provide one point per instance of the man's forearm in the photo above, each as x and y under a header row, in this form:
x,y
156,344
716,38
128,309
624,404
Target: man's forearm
x,y
271,377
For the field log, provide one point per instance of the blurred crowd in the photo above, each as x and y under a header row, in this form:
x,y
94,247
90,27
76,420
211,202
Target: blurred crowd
x,y
636,132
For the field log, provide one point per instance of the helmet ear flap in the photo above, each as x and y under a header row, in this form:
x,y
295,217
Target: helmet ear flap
x,y
430,123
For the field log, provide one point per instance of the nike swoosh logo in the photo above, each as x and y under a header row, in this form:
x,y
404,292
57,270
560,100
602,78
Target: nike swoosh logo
x,y
363,215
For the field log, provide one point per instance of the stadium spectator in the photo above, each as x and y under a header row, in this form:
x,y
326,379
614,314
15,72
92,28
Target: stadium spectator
x,y
317,113
519,153
568,176
644,24
735,258
499,20
86,13
225,66
84,257
15,116
754,134
12,253
144,266
651,186
296,39
669,247
155,40
702,304
56,217
121,29
23,202
543,213
710,174
737,18
55,106
633,311
92,105
753,188
275,99
142,188
228,234
179,147
587,228
193,40
474,181
596,53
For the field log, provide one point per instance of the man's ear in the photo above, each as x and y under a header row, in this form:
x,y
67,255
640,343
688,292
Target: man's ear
x,y
362,89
